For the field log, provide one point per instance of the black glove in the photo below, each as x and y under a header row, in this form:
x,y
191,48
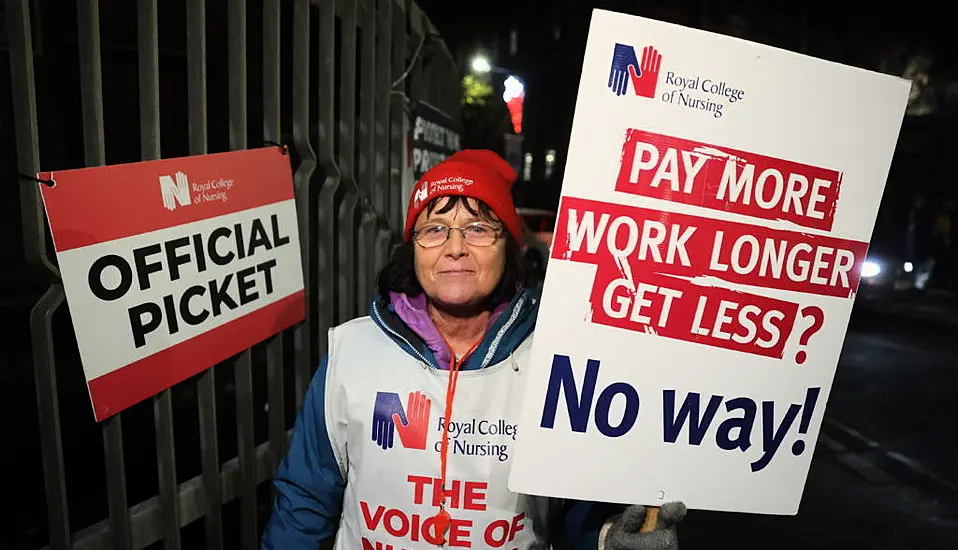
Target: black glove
x,y
624,533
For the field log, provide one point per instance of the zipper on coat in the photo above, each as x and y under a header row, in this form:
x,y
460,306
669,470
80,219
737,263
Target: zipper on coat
x,y
389,329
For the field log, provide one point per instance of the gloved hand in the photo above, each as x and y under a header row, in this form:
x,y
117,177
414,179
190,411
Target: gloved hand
x,y
624,533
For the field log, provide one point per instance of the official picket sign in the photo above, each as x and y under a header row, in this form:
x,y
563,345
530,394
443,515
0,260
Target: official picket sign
x,y
435,136
717,205
172,266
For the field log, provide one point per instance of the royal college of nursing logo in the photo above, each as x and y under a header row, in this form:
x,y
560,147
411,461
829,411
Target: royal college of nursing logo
x,y
412,423
422,193
626,69
700,92
177,189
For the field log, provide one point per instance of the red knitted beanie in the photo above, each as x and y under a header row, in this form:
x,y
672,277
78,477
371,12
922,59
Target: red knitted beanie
x,y
475,173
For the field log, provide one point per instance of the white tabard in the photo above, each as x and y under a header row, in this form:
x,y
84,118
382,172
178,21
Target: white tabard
x,y
386,438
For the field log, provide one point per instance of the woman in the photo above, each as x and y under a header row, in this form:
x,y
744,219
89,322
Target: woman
x,y
423,394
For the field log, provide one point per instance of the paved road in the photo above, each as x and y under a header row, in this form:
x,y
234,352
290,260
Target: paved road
x,y
897,383
885,471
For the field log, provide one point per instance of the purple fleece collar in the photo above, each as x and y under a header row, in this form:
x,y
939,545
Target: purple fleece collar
x,y
414,312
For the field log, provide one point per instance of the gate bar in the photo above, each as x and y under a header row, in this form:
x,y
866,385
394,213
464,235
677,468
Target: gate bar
x,y
91,93
34,244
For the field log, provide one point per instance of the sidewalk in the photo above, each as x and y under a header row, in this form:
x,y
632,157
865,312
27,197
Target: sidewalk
x,y
840,510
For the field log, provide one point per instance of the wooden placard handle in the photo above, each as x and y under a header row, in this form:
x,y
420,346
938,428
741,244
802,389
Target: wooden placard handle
x,y
651,519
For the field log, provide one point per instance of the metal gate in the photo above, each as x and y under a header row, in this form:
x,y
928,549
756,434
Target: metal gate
x,y
122,81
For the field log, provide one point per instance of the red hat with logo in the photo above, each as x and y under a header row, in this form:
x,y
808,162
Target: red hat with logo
x,y
475,173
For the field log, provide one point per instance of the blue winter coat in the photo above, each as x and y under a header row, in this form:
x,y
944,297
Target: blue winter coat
x,y
310,487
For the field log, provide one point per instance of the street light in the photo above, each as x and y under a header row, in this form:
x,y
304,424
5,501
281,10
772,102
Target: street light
x,y
480,64
513,95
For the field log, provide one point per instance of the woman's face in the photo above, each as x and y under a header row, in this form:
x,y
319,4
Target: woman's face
x,y
458,273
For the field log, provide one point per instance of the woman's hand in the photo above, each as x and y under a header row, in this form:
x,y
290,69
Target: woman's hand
x,y
624,533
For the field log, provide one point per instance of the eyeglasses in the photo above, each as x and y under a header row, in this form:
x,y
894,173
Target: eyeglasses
x,y
475,234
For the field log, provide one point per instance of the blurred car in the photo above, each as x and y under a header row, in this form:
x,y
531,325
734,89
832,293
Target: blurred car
x,y
538,228
885,269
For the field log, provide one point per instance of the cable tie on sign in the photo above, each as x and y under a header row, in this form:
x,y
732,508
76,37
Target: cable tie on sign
x,y
25,177
275,144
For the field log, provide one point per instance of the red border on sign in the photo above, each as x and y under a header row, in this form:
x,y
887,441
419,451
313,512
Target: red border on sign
x,y
127,386
95,205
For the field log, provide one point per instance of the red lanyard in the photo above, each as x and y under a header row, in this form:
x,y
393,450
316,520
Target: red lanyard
x,y
442,518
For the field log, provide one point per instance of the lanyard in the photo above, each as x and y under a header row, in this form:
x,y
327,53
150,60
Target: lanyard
x,y
442,519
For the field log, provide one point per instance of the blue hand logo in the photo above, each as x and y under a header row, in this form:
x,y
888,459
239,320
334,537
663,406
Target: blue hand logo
x,y
387,404
622,59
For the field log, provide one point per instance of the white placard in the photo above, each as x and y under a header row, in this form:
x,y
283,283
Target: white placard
x,y
717,203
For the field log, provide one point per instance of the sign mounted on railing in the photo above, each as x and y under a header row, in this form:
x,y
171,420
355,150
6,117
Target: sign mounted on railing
x,y
174,265
715,214
435,136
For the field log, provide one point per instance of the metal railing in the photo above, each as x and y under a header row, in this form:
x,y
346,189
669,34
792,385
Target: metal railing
x,y
328,78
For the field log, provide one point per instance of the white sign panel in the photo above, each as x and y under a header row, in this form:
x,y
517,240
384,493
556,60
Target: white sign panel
x,y
717,205
172,266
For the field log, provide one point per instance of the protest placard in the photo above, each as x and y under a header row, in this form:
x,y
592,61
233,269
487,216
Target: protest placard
x,y
716,209
172,266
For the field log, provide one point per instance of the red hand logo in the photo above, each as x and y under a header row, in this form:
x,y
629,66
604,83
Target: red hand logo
x,y
413,432
645,83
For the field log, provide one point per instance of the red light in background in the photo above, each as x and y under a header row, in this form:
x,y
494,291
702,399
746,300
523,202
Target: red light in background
x,y
515,111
